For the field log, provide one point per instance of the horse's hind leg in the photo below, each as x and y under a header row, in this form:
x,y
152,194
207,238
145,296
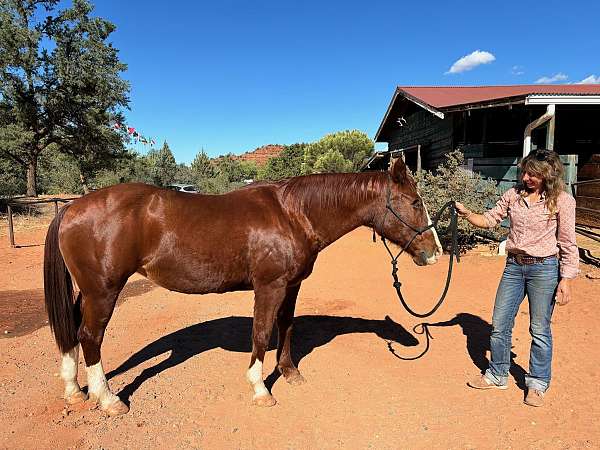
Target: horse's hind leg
x,y
68,373
97,310
267,301
68,368
285,319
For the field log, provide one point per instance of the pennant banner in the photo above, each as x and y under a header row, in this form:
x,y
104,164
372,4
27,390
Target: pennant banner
x,y
134,134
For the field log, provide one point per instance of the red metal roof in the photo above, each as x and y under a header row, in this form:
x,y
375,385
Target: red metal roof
x,y
447,96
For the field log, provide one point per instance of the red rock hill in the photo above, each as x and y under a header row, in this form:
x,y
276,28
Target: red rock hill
x,y
262,154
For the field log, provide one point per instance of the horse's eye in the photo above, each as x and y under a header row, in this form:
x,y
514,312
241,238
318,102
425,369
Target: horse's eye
x,y
416,203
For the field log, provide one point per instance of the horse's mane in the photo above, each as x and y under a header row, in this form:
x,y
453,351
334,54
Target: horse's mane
x,y
331,189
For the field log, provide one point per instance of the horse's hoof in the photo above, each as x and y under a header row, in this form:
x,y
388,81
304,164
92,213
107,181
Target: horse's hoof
x,y
116,409
77,397
264,400
294,378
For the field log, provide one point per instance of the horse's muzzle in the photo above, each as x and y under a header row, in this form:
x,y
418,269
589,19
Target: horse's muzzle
x,y
425,259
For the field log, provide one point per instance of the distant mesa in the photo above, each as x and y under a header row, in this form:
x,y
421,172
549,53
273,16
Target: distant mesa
x,y
261,155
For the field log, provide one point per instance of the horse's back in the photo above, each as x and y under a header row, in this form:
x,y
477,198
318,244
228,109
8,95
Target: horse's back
x,y
184,242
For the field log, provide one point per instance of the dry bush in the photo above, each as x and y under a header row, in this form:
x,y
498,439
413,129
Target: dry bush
x,y
452,182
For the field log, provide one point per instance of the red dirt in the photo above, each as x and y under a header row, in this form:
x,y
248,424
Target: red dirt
x,y
187,388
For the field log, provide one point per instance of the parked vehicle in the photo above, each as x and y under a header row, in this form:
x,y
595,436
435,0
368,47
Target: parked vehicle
x,y
189,188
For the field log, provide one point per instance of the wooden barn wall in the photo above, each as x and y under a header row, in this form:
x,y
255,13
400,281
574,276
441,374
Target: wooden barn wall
x,y
588,194
432,133
505,172
492,141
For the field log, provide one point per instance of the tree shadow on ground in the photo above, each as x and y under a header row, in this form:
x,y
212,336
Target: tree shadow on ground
x,y
234,334
478,333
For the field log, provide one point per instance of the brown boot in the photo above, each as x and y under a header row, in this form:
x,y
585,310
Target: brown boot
x,y
534,397
482,382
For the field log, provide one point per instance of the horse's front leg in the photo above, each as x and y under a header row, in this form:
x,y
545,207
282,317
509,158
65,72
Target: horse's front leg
x,y
267,301
285,319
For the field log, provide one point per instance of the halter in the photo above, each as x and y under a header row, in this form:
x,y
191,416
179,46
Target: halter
x,y
419,231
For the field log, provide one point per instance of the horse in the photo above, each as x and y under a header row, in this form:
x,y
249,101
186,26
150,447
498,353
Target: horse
x,y
263,237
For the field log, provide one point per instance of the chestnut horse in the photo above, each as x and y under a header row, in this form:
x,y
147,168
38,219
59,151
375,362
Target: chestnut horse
x,y
264,237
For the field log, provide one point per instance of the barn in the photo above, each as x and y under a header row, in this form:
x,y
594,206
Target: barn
x,y
494,126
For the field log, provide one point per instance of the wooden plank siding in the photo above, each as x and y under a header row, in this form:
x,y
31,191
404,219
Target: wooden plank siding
x,y
432,133
505,171
588,194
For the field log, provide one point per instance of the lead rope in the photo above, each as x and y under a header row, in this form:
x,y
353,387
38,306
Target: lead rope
x,y
453,253
397,284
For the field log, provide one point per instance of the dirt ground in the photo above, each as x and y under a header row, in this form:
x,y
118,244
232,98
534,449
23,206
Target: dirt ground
x,y
179,361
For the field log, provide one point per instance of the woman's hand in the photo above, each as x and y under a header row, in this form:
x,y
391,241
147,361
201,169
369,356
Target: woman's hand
x,y
563,292
462,210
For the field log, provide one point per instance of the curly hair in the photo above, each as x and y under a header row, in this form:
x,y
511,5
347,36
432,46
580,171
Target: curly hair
x,y
544,164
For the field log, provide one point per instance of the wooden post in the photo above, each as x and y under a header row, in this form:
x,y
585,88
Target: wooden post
x,y
418,158
11,233
572,171
55,207
550,134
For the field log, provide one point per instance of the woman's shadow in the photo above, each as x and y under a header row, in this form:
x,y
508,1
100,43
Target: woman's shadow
x,y
234,334
478,333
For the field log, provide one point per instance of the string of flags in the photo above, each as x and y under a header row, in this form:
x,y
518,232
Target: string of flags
x,y
134,134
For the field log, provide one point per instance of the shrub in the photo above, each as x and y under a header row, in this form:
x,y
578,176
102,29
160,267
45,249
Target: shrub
x,y
452,182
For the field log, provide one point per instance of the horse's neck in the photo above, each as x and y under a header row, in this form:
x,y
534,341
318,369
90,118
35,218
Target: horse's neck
x,y
341,212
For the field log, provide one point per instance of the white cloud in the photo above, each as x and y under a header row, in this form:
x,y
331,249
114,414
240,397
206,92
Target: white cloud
x,y
517,70
592,79
553,79
471,61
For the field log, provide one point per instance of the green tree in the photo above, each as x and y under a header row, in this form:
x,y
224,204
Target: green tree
x,y
230,167
287,164
184,174
97,97
249,170
354,146
58,80
58,174
12,177
332,161
163,167
202,167
132,168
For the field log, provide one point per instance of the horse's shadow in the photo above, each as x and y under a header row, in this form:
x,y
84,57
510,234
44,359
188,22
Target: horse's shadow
x,y
478,333
234,334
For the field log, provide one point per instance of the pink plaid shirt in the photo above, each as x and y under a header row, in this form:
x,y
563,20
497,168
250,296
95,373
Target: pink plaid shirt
x,y
534,232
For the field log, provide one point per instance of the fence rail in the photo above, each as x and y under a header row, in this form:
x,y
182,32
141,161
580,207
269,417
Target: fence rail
x,y
9,210
590,216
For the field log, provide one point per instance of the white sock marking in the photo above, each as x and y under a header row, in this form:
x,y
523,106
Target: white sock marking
x,y
254,377
68,371
98,386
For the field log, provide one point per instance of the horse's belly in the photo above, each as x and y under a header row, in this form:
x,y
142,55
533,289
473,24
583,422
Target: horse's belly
x,y
197,278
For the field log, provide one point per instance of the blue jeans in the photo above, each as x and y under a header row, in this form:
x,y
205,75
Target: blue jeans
x,y
539,282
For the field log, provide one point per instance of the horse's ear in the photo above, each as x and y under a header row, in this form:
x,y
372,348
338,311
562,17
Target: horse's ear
x,y
398,171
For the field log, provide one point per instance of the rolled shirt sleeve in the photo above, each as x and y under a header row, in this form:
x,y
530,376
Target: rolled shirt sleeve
x,y
499,212
566,237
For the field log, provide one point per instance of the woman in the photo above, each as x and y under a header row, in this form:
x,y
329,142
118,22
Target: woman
x,y
542,260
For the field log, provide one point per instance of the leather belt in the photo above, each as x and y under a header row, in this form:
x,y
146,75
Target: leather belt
x,y
526,259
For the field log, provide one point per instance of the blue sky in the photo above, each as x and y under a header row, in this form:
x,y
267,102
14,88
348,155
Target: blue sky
x,y
232,75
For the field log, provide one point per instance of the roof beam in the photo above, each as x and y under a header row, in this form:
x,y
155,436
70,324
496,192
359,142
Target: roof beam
x,y
562,99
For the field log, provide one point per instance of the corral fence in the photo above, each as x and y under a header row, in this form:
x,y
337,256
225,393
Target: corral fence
x,y
21,203
587,194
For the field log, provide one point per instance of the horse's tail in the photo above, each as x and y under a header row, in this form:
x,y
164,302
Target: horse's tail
x,y
58,290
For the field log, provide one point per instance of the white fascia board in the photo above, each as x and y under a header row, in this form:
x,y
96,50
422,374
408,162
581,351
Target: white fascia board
x,y
562,100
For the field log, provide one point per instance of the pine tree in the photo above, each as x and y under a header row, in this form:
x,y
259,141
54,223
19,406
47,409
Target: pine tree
x,y
163,167
59,83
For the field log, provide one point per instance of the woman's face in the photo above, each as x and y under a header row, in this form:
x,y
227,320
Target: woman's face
x,y
533,182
